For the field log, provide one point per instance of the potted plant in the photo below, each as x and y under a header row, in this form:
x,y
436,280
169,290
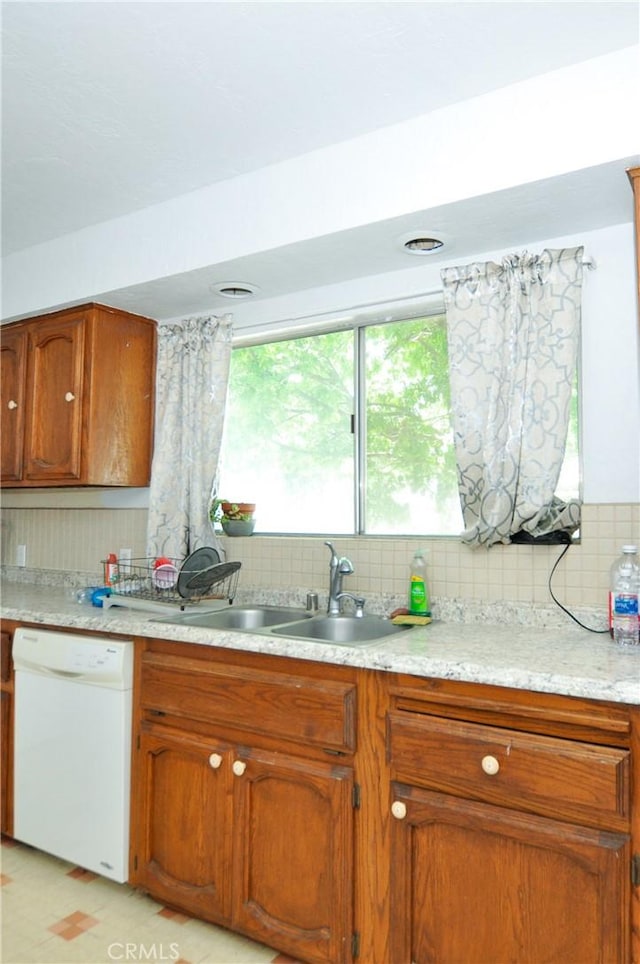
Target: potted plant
x,y
236,518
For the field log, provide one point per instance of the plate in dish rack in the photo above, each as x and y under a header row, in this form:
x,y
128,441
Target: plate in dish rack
x,y
196,563
202,582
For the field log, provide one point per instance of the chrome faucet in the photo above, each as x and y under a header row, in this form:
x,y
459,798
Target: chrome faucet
x,y
358,602
338,569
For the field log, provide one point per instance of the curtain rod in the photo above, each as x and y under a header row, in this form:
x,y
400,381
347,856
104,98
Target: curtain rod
x,y
336,316
345,316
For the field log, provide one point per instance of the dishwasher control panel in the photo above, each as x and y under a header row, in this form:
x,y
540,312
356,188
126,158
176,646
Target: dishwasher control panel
x,y
90,659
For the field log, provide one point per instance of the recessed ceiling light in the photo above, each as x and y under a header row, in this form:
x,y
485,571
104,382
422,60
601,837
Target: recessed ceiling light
x,y
234,289
420,245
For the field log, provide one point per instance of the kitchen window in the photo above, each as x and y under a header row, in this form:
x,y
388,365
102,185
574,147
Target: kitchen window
x,y
348,432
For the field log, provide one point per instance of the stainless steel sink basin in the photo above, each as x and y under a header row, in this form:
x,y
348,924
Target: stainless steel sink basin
x,y
240,617
343,630
282,621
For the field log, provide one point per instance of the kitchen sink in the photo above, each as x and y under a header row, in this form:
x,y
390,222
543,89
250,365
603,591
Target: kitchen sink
x,y
240,617
343,630
282,621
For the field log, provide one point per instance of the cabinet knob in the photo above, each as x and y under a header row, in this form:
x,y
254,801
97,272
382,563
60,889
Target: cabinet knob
x,y
399,809
239,766
69,397
490,765
215,760
11,404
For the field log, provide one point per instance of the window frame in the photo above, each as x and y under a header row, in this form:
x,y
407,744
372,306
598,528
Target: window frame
x,y
357,320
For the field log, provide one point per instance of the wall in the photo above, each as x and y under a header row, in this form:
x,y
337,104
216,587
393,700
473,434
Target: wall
x,y
85,526
76,539
74,530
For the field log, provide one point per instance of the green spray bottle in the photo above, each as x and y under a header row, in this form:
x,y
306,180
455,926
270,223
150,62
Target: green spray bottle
x,y
419,604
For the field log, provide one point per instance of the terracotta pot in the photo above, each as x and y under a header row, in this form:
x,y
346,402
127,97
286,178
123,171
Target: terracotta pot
x,y
233,508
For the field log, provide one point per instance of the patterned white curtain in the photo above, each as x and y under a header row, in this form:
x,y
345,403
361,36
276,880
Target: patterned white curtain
x,y
513,331
191,392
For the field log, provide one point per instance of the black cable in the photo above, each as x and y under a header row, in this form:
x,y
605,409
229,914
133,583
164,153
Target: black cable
x,y
557,601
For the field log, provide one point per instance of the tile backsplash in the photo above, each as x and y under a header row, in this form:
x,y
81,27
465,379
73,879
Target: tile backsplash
x,y
77,539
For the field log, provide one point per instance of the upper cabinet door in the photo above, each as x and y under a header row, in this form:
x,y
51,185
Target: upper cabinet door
x,y
13,356
53,435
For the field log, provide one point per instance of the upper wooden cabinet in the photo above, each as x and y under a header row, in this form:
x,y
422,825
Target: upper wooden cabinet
x,y
78,399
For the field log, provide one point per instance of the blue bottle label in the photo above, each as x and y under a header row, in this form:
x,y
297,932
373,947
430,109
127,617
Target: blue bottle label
x,y
625,604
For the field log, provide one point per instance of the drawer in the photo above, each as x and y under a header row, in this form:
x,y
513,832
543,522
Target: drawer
x,y
538,773
282,705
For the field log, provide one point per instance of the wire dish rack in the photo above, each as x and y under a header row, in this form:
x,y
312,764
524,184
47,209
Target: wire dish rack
x,y
172,582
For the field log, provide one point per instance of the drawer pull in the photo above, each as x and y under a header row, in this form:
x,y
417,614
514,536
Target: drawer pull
x,y
239,766
11,404
215,761
490,765
399,809
69,397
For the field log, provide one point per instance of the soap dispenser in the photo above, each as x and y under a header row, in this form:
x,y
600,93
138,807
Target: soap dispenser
x,y
419,604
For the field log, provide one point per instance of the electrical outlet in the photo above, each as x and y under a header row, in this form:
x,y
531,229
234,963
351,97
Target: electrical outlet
x,y
124,560
21,556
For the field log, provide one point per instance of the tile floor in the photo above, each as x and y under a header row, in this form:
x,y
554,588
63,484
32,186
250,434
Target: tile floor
x,y
56,913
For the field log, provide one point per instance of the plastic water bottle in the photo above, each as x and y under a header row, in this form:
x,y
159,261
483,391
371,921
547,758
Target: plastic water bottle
x,y
623,598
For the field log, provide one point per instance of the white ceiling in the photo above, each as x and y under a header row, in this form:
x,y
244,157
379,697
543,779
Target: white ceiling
x,y
110,107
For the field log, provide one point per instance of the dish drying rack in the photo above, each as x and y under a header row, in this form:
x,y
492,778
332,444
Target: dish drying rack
x,y
142,584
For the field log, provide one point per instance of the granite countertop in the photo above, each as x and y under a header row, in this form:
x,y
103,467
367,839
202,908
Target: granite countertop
x,y
563,659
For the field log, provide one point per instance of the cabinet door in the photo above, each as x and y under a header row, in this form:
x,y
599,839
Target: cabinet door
x,y
53,428
182,824
474,882
293,855
13,354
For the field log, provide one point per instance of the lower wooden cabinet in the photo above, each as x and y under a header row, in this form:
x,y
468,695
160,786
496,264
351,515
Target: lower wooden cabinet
x,y
183,851
473,883
340,815
260,841
293,854
510,831
259,838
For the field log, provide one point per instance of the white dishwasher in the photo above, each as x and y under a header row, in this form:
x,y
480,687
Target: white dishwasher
x,y
73,698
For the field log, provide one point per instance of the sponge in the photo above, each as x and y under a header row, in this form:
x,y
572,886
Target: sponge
x,y
407,619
